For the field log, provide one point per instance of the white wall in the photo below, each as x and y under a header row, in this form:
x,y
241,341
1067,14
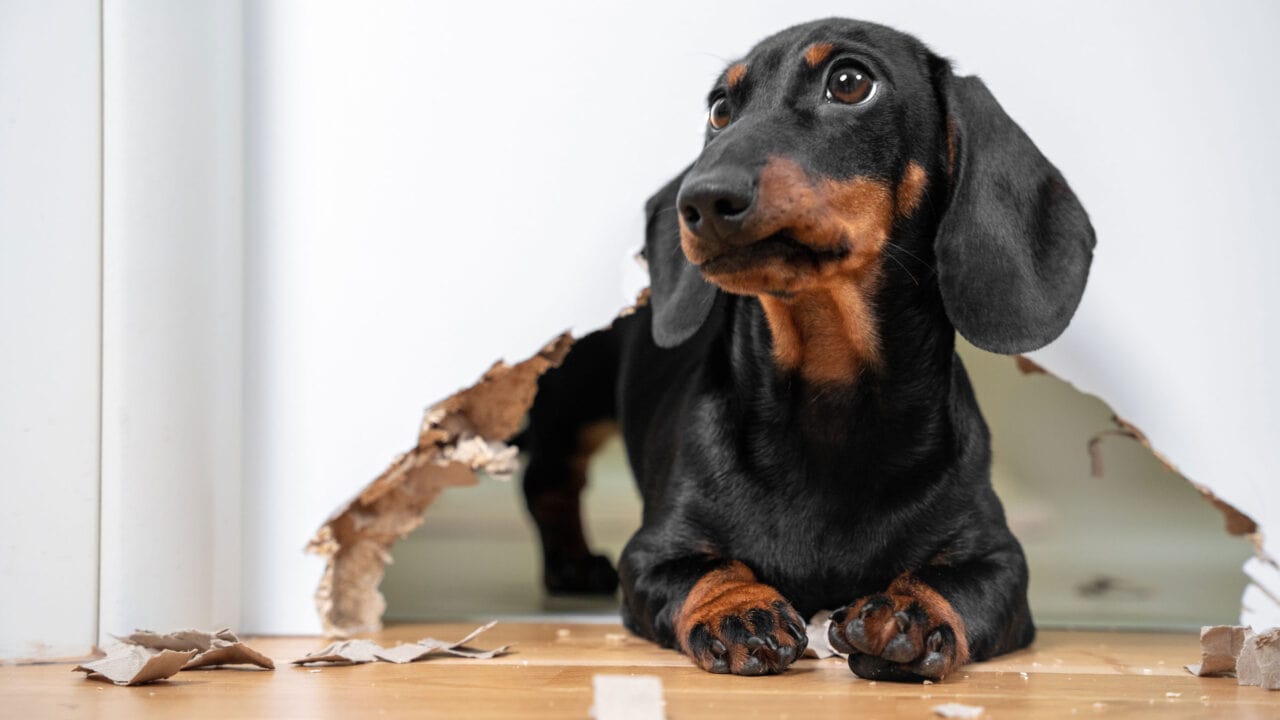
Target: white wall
x,y
431,188
50,301
172,315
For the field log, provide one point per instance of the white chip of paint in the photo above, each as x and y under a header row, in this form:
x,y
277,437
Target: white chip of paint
x,y
628,697
958,710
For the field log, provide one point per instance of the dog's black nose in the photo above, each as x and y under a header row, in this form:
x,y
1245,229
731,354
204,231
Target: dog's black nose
x,y
715,206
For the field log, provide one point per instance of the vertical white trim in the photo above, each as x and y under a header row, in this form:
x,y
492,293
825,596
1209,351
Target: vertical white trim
x,y
172,314
50,325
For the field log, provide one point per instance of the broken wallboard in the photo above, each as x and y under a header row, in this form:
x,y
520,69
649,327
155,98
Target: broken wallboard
x,y
355,652
458,436
145,656
1253,658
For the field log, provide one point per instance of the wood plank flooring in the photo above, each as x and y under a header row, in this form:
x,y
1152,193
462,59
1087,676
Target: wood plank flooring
x,y
548,675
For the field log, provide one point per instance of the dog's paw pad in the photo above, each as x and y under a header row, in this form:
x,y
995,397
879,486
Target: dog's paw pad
x,y
898,636
751,633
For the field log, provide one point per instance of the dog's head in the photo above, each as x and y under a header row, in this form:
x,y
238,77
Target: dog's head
x,y
835,143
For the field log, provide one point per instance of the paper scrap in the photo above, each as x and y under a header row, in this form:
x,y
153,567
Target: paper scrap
x,y
350,652
354,652
819,647
628,697
958,710
145,656
212,649
135,665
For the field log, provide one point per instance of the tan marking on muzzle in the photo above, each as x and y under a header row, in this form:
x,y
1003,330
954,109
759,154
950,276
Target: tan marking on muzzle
x,y
823,324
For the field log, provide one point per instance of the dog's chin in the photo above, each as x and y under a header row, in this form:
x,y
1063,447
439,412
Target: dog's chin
x,y
776,265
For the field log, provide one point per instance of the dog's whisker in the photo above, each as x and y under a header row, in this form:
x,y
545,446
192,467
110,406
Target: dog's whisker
x,y
913,256
894,258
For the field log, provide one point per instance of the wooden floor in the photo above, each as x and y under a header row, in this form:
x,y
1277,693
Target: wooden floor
x,y
549,673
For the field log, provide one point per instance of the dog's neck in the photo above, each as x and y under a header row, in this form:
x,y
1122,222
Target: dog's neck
x,y
827,335
832,365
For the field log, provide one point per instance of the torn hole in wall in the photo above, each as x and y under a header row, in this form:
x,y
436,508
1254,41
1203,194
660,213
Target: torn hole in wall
x,y
1137,547
466,432
462,434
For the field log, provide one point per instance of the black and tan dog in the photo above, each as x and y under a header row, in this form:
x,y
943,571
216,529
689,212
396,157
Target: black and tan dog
x,y
803,434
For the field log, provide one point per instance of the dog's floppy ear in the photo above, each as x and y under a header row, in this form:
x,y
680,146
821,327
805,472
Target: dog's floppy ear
x,y
680,296
1014,245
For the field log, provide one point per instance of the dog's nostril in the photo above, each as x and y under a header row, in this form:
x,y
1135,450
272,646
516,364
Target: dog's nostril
x,y
691,215
728,207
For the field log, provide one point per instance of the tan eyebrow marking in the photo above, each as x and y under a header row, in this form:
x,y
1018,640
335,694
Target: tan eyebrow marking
x,y
817,52
734,74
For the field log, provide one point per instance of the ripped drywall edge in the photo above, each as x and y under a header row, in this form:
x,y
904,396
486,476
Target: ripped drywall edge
x,y
1237,523
1258,603
459,435
1027,366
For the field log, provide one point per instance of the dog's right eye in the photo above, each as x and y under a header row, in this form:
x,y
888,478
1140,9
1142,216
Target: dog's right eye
x,y
850,83
718,116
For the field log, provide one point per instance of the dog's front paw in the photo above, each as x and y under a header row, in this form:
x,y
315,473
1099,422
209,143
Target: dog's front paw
x,y
752,633
730,623
908,634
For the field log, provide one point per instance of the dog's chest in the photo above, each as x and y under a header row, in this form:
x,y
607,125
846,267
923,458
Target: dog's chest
x,y
819,548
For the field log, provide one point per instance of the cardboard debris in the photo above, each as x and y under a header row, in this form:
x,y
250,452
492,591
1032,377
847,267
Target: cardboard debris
x,y
1254,658
354,652
1248,666
1219,648
135,665
627,697
145,656
344,652
212,649
958,710
458,436
1259,661
819,647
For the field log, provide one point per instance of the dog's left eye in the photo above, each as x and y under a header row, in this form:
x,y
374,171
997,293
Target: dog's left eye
x,y
850,84
718,116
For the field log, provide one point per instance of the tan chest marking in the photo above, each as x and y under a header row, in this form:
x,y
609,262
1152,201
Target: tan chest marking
x,y
827,334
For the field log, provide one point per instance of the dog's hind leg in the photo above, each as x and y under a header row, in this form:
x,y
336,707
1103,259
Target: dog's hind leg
x,y
572,415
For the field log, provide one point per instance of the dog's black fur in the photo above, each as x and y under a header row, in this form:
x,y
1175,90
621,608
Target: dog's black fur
x,y
770,492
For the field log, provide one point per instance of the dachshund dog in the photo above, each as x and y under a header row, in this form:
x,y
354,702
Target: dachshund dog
x,y
802,432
